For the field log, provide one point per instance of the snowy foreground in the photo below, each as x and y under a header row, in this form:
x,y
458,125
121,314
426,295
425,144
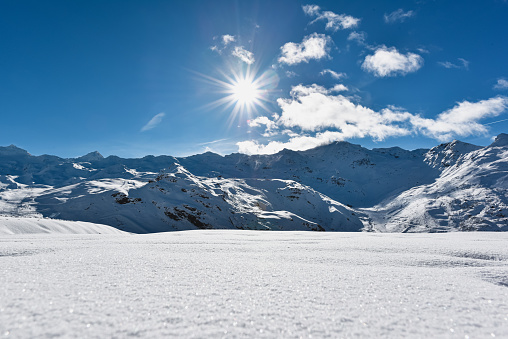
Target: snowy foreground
x,y
230,283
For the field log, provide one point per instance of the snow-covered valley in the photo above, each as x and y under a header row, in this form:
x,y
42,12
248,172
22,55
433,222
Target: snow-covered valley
x,y
336,187
232,283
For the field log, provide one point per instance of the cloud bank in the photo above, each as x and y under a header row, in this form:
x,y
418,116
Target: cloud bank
x,y
315,116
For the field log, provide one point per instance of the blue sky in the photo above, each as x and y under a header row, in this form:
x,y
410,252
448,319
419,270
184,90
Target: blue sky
x,y
133,78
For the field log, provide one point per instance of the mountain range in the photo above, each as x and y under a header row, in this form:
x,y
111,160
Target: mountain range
x,y
455,186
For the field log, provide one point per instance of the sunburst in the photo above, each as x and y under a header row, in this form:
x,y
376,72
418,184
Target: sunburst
x,y
244,91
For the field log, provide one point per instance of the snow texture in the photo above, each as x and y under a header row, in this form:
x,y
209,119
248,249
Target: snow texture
x,y
51,226
337,187
230,283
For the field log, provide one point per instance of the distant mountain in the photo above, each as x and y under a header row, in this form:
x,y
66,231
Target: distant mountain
x,y
338,187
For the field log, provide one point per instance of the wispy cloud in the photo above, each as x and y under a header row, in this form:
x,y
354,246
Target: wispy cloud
x,y
333,74
501,84
243,54
153,122
398,16
228,44
495,122
212,142
291,74
463,63
334,21
315,116
359,37
314,46
386,62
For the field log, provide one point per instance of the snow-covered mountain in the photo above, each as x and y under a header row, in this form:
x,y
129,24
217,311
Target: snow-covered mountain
x,y
336,187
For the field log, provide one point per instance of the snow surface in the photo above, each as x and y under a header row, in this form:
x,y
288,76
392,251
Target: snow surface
x,y
10,225
228,283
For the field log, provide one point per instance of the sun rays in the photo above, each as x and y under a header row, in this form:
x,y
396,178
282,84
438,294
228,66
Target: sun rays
x,y
244,92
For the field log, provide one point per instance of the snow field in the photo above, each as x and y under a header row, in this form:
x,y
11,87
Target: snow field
x,y
9,225
226,283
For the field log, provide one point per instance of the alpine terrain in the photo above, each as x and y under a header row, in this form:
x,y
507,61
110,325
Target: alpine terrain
x,y
337,187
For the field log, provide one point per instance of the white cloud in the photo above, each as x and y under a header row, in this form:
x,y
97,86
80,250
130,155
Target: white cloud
x,y
313,117
227,39
260,121
311,10
313,46
243,54
295,143
227,43
339,88
389,62
463,63
333,74
153,122
398,15
501,84
337,21
271,127
300,90
314,109
461,120
334,21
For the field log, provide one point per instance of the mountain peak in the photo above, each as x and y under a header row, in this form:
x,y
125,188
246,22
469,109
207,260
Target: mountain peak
x,y
13,150
501,140
92,156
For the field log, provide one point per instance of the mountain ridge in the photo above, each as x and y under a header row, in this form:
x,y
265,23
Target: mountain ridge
x,y
335,187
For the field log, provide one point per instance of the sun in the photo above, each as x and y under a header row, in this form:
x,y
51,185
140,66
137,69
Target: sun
x,y
245,91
